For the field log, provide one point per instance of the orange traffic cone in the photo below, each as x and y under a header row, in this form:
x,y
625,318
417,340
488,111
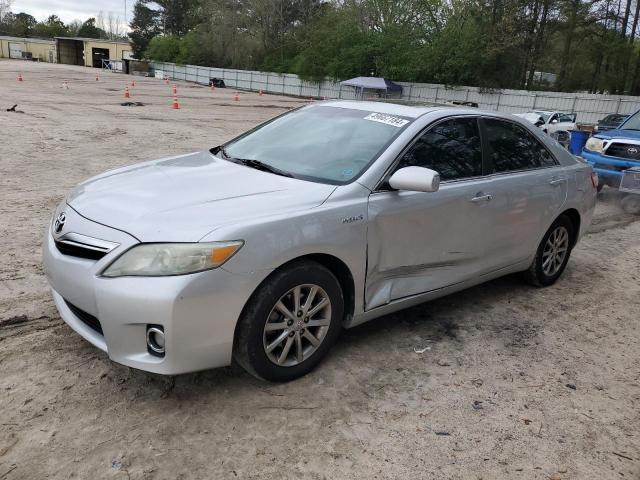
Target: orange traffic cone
x,y
19,77
175,104
236,97
126,92
260,92
175,89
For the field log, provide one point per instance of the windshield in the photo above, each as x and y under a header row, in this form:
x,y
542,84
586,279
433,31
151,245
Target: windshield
x,y
545,115
632,123
327,144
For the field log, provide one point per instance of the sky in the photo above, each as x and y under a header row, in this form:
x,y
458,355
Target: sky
x,y
69,10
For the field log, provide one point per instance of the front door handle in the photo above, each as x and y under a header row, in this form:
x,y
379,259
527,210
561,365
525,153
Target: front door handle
x,y
557,180
482,198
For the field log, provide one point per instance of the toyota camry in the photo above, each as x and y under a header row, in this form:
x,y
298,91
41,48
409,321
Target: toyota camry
x,y
261,250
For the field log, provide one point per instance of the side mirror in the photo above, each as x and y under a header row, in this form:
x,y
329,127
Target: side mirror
x,y
415,179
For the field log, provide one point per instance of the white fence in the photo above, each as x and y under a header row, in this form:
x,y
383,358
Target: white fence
x,y
589,107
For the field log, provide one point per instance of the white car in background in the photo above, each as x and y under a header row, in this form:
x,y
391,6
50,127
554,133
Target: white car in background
x,y
551,122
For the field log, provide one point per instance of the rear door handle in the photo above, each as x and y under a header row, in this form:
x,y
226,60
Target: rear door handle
x,y
557,180
482,198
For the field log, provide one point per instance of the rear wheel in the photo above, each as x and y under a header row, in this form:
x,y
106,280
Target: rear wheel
x,y
552,254
290,322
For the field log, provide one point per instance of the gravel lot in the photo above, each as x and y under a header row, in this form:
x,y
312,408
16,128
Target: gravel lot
x,y
518,382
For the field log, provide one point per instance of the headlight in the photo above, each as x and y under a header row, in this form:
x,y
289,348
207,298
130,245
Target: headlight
x,y
162,259
595,145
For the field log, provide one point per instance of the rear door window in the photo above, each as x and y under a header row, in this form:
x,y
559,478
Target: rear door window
x,y
452,148
512,148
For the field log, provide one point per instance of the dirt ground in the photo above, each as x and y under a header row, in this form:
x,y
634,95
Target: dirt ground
x,y
518,382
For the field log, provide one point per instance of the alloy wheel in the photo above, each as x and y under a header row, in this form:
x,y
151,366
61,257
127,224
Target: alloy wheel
x,y
297,325
555,251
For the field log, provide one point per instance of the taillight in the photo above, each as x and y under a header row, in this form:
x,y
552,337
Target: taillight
x,y
594,179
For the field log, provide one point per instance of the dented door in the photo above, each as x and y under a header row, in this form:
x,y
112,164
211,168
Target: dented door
x,y
418,242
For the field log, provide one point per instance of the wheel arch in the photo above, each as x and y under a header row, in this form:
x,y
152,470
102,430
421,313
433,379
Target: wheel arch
x,y
574,216
334,264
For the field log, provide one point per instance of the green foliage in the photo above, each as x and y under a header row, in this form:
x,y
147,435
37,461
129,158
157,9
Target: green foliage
x,y
589,44
50,28
144,26
164,49
18,24
90,30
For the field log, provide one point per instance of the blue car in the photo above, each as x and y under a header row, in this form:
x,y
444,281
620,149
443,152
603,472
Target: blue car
x,y
613,152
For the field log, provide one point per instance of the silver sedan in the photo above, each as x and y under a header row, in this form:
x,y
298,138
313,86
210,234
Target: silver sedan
x,y
262,249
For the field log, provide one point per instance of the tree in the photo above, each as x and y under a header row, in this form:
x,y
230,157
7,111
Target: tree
x,y
164,48
144,26
90,30
5,8
51,27
19,24
74,27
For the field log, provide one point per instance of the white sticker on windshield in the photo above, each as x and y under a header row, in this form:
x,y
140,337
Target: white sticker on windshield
x,y
388,119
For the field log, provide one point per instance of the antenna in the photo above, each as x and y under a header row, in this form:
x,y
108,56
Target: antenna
x,y
125,12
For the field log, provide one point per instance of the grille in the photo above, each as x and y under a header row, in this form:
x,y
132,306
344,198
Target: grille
x,y
82,246
89,320
74,249
624,150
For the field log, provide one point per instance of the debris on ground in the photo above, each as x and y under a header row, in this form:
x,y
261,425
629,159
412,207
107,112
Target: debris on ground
x,y
132,104
443,363
13,109
421,350
571,386
477,405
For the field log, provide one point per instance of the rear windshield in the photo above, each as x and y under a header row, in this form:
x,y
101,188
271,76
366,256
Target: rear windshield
x,y
320,143
632,123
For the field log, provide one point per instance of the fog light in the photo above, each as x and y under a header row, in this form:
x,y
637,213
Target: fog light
x,y
155,340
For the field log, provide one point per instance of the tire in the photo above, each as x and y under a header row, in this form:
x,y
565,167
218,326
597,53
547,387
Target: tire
x,y
290,332
630,203
540,273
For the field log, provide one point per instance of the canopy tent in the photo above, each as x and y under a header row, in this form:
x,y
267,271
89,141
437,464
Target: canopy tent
x,y
372,83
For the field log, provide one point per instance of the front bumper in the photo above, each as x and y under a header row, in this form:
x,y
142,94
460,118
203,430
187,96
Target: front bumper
x,y
609,169
198,312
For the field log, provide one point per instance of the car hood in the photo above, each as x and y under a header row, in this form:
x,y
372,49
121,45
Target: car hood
x,y
529,116
183,198
611,134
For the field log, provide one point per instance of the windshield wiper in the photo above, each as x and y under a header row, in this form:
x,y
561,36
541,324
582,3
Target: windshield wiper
x,y
251,163
258,165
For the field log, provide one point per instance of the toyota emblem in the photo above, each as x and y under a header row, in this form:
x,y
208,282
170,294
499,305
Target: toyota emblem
x,y
632,151
59,222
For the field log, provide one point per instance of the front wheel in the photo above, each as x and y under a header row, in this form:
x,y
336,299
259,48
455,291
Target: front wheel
x,y
552,254
290,322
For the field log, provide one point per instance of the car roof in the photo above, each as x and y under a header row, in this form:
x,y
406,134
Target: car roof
x,y
407,110
381,107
